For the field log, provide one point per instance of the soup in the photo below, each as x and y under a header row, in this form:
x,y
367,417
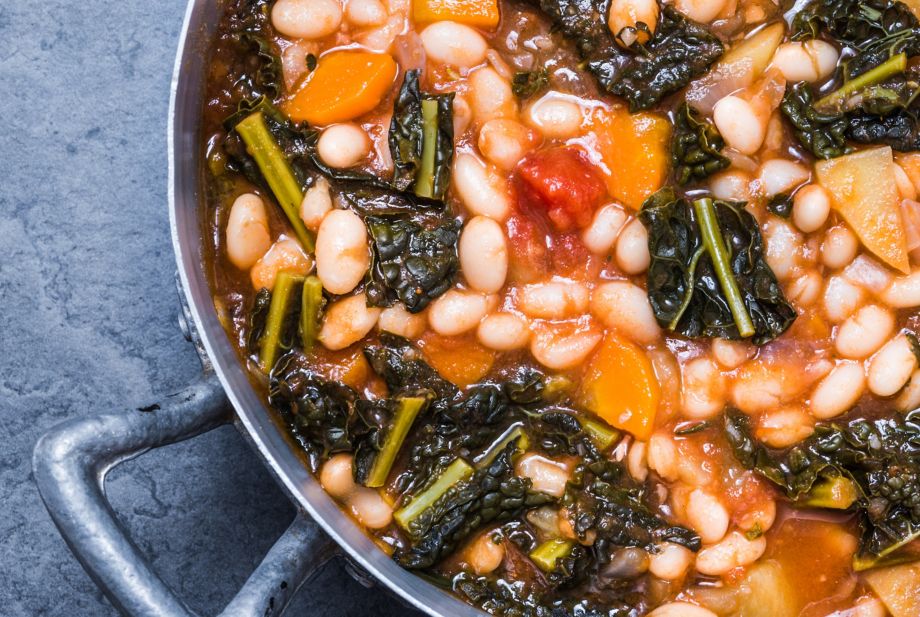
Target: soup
x,y
586,308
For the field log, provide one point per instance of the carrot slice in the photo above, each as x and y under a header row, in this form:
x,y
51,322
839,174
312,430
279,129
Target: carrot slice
x,y
620,387
634,150
863,190
345,84
481,13
460,360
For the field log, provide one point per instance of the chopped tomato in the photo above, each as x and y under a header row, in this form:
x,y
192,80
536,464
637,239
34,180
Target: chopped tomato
x,y
561,184
527,256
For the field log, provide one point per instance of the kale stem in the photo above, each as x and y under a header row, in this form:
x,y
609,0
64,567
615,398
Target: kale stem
x,y
835,101
545,555
285,283
721,261
406,413
277,172
455,473
424,183
690,282
513,433
310,307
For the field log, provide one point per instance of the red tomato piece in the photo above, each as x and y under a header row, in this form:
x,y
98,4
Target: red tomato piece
x,y
561,184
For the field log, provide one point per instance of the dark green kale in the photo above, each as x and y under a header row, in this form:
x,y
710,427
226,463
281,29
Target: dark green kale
x,y
412,264
824,134
528,83
679,50
854,23
708,276
422,139
255,68
696,147
399,363
879,458
494,493
258,315
781,205
900,130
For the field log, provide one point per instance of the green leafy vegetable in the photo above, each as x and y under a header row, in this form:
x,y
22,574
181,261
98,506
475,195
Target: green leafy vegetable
x,y
679,50
280,324
708,276
258,314
855,23
411,264
781,205
526,84
696,147
880,459
422,139
824,134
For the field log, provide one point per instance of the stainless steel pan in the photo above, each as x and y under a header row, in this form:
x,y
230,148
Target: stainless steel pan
x,y
72,460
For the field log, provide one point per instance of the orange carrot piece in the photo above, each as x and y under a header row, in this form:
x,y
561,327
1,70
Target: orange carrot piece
x,y
478,13
620,387
345,84
460,360
634,150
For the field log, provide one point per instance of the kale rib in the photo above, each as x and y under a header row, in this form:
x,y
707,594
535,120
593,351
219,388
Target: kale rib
x,y
310,309
721,261
407,411
285,284
277,172
424,182
837,99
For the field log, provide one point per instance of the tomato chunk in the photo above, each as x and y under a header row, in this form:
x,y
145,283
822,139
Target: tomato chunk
x,y
561,184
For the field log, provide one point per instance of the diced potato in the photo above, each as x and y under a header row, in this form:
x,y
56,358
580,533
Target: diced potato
x,y
766,592
898,587
863,190
620,387
758,49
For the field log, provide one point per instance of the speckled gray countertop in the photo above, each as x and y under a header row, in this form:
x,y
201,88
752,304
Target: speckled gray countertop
x,y
89,316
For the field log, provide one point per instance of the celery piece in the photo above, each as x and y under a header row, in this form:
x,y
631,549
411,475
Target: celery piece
x,y
277,172
285,284
408,409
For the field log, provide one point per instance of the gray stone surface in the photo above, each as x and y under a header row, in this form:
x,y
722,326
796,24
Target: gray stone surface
x,y
89,316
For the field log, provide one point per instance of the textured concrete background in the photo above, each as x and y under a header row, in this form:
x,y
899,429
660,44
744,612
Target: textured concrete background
x,y
89,316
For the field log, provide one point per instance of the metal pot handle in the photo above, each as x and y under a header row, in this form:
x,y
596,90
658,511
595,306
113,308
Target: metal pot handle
x,y
70,464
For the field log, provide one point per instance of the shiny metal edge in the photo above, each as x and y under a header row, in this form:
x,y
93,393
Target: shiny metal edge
x,y
251,412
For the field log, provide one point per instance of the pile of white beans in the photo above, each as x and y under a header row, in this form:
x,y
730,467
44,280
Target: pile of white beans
x,y
851,298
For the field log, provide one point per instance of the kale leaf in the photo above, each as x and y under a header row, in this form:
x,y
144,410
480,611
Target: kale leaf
x,y
421,139
685,286
679,50
900,130
696,147
855,23
781,205
881,458
411,264
824,134
258,315
399,363
526,84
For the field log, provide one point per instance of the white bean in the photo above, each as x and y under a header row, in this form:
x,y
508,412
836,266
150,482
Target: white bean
x,y
364,13
841,298
546,475
503,332
904,291
863,333
636,462
868,273
553,300
703,389
732,552
909,398
805,288
812,60
285,254
343,145
601,234
810,207
370,508
731,354
733,185
780,176
559,347
447,42
784,247
707,515
785,426
306,19
632,248
458,311
739,123
483,254
839,247
484,555
624,306
702,11
481,190
662,456
628,14
398,320
892,366
670,562
490,95
505,142
342,255
316,204
247,233
681,609
555,116
336,476
839,390
347,321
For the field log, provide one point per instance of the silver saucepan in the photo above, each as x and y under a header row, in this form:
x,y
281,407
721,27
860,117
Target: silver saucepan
x,y
71,461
